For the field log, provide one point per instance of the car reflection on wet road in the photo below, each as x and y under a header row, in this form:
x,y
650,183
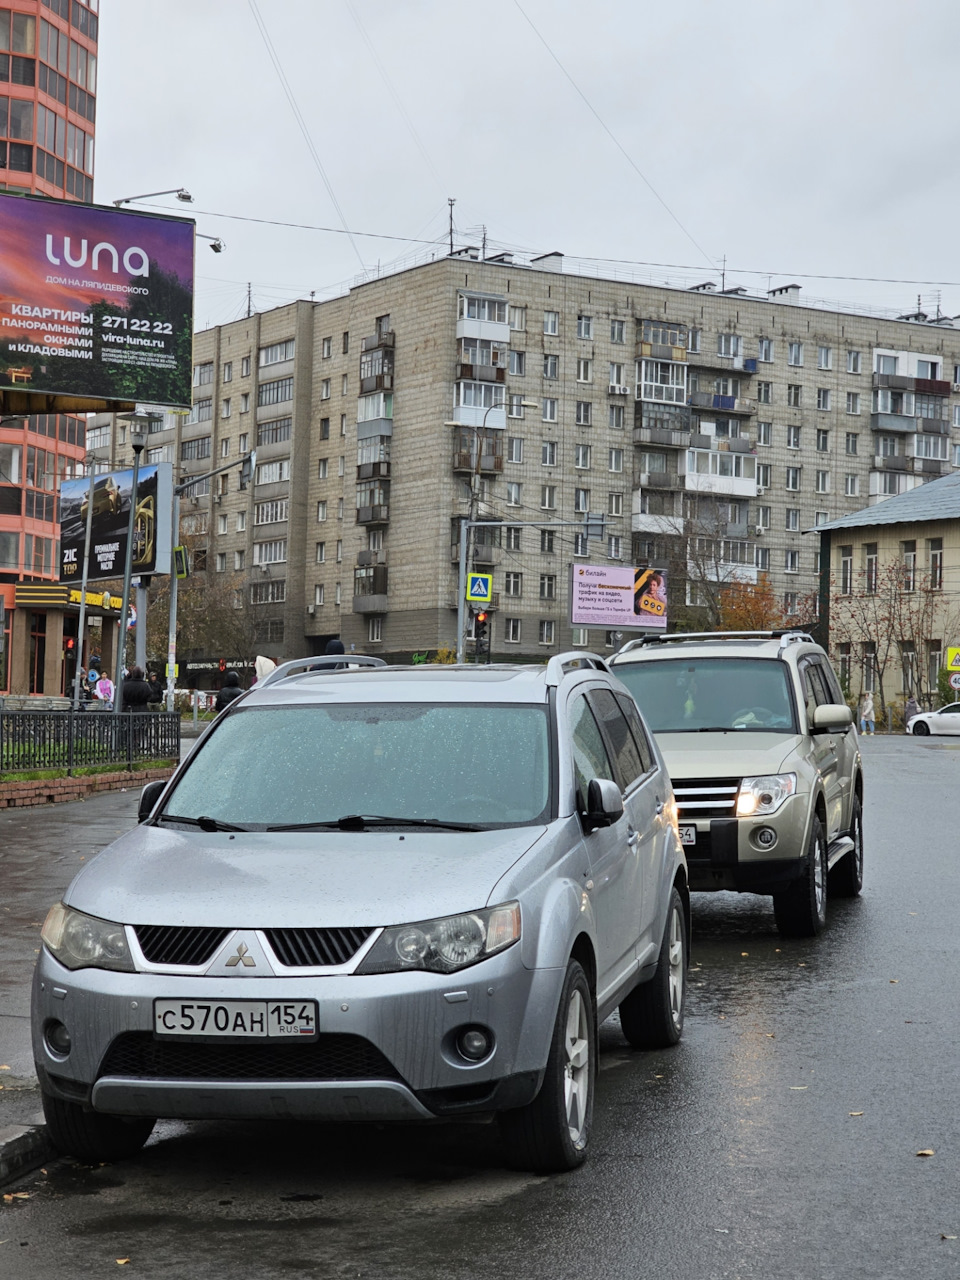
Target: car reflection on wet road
x,y
778,1140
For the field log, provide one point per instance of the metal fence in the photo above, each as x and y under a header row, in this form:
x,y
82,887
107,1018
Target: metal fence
x,y
70,740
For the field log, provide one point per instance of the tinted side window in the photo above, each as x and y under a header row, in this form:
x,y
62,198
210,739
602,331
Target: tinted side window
x,y
627,758
831,682
590,759
629,709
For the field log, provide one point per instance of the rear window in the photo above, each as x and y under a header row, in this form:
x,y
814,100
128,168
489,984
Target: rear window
x,y
473,763
699,695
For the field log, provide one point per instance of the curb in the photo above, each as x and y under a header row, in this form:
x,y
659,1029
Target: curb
x,y
23,1148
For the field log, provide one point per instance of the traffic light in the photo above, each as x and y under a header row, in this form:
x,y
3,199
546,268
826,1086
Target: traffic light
x,y
247,468
180,562
480,631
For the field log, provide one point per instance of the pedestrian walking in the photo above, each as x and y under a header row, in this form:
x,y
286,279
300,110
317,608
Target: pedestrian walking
x,y
230,691
104,689
867,714
909,711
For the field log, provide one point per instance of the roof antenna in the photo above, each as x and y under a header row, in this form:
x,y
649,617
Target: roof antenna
x,y
451,201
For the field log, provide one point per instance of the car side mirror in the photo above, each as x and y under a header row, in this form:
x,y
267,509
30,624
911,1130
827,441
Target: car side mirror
x,y
832,717
604,804
149,797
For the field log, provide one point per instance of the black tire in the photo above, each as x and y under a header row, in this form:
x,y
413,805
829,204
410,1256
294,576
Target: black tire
x,y
846,878
90,1136
921,729
551,1133
801,910
652,1014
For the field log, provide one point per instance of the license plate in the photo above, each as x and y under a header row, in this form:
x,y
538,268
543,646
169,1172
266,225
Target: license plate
x,y
688,835
236,1019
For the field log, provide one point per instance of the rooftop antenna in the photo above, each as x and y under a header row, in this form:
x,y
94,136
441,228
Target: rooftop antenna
x,y
483,245
249,302
723,274
451,201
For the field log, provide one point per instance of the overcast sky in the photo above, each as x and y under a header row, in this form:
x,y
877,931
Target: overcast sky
x,y
798,139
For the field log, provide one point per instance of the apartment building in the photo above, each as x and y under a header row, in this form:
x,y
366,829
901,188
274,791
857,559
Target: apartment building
x,y
709,428
48,87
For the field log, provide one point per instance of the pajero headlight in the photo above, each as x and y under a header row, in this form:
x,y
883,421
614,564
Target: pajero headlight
x,y
80,941
765,794
444,945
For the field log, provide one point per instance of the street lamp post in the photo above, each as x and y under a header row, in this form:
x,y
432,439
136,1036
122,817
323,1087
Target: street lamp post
x,y
179,192
80,666
138,439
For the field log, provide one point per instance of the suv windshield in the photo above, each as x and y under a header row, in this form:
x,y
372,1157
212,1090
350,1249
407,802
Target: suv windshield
x,y
483,764
691,695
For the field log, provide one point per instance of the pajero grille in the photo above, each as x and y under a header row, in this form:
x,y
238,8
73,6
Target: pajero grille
x,y
706,797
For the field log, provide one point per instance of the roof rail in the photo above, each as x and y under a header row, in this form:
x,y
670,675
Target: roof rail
x,y
785,636
318,666
576,660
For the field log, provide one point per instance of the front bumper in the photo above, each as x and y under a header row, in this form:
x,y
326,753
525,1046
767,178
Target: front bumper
x,y
729,854
385,1049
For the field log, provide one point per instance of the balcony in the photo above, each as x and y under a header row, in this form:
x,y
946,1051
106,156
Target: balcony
x,y
660,480
932,387
725,404
661,436
373,471
385,339
370,589
367,558
900,423
465,444
481,372
899,463
658,526
376,382
711,360
660,351
379,514
490,463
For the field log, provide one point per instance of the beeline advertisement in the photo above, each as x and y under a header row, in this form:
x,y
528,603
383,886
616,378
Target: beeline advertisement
x,y
110,523
615,597
95,302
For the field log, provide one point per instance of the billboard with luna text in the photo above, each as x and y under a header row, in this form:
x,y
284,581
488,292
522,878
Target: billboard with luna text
x,y
95,302
110,523
618,597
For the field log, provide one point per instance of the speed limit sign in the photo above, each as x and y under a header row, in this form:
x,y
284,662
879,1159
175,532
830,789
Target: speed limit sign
x,y
955,680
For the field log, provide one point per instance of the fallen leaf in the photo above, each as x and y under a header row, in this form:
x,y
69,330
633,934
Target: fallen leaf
x,y
724,1231
942,1237
927,1151
855,1113
799,1088
802,964
894,981
4,1068
770,1035
122,1262
744,953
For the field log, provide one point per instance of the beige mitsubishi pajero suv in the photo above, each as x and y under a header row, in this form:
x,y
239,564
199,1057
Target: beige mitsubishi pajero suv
x,y
765,763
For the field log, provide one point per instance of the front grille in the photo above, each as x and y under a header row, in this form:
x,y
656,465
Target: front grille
x,y
173,944
300,947
706,797
136,1055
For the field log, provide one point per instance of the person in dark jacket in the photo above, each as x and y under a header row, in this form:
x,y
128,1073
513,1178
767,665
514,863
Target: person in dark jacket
x,y
136,692
156,689
335,646
231,690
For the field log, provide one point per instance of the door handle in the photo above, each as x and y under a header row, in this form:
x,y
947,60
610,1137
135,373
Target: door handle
x,y
659,808
633,838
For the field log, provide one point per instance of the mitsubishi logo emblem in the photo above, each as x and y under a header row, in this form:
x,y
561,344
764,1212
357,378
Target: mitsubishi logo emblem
x,y
241,958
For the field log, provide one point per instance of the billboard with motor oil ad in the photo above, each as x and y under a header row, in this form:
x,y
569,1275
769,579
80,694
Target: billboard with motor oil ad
x,y
95,302
618,597
112,495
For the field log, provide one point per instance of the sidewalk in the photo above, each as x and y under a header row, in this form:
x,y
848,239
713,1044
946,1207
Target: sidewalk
x,y
41,849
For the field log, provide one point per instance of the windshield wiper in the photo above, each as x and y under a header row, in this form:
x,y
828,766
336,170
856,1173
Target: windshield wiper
x,y
363,821
203,822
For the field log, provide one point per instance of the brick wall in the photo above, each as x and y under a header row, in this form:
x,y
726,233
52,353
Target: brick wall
x,y
14,795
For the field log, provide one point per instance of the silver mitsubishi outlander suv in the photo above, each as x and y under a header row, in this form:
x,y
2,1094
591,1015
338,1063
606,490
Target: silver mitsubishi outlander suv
x,y
375,893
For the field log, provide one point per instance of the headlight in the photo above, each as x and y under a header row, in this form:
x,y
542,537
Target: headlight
x,y
765,795
443,946
83,942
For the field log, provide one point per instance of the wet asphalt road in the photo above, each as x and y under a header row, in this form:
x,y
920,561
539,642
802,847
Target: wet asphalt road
x,y
741,1153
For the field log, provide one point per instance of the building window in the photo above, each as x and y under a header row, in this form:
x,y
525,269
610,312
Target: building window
x,y
618,331
513,533
790,603
765,433
763,517
585,327
551,322
693,341
614,547
546,631
325,389
765,350
616,374
548,497
274,432
851,442
764,474
326,348
763,558
322,510
191,450
202,373
580,545
584,413
244,401
276,392
374,630
513,494
615,417
511,630
908,560
239,558
791,562
245,367
581,457
518,363
823,398
729,344
271,512
518,318
853,362
584,370
514,448
549,413
548,453
515,407
546,542
765,393
277,353
202,411
513,584
271,472
792,519
241,521
851,485
270,552
221,562
824,357
321,552
793,437
579,637
823,482
794,395
935,561
226,372
548,586
793,478
846,570
795,353
870,567
581,501
615,460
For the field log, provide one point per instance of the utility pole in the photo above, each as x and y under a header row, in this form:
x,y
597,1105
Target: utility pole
x,y
451,201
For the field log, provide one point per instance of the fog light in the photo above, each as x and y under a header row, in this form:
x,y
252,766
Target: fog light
x,y
58,1038
474,1043
765,837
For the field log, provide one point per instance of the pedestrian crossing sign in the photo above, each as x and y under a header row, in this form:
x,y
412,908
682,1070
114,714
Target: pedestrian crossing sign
x,y
479,588
953,659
